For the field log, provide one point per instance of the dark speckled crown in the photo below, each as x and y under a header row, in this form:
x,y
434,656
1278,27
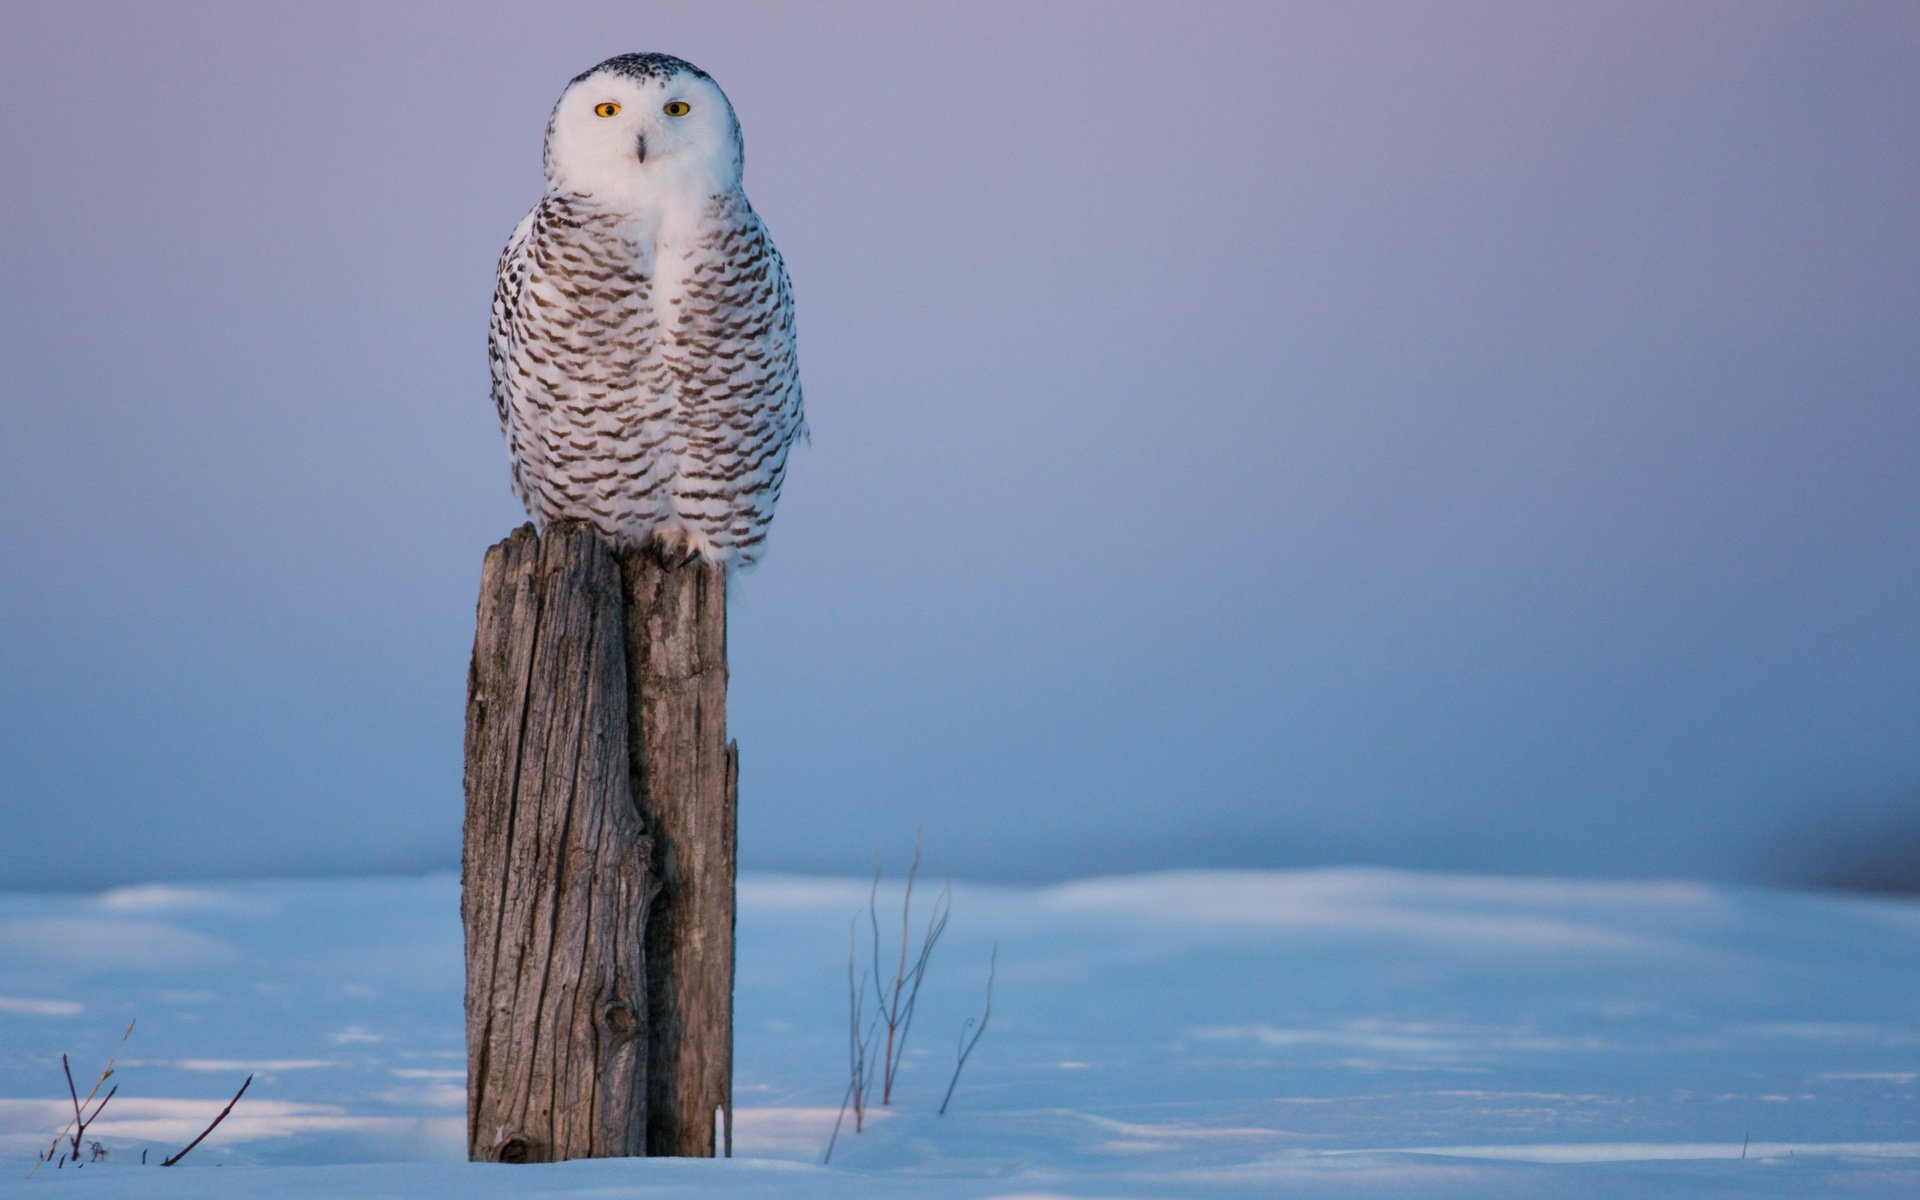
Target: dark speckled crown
x,y
644,66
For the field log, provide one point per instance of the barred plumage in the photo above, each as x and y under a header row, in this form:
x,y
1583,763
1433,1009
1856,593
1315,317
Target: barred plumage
x,y
642,342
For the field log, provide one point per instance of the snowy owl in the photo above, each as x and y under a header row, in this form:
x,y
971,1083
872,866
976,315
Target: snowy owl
x,y
642,342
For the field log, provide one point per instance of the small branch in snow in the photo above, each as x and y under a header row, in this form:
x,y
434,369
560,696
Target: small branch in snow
x,y
167,1162
79,1122
968,1043
910,970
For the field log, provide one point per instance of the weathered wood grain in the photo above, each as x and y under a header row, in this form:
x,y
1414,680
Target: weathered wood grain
x,y
598,871
685,772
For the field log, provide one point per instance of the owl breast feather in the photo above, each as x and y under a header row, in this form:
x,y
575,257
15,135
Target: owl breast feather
x,y
645,375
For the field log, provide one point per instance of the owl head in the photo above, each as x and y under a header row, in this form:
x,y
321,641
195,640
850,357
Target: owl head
x,y
643,126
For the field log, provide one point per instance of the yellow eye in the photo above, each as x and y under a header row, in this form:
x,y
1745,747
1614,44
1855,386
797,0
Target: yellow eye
x,y
606,108
677,108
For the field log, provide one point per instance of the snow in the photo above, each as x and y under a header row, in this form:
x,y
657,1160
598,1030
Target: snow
x,y
1349,1033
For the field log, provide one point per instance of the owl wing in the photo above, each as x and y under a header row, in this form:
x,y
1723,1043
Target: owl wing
x,y
738,377
510,280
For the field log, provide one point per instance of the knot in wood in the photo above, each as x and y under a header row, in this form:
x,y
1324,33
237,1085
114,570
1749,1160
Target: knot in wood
x,y
618,1019
515,1150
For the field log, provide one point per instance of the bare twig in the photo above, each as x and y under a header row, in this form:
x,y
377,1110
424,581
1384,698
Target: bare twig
x,y
896,995
873,920
79,1122
910,969
968,1043
859,1046
858,1072
167,1162
936,925
835,1139
95,1114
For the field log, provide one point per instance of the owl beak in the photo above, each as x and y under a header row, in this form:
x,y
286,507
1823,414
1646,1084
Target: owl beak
x,y
642,147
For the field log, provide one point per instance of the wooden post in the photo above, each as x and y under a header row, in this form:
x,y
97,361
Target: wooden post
x,y
685,772
597,878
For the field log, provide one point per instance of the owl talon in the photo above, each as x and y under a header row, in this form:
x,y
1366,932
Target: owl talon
x,y
676,548
669,548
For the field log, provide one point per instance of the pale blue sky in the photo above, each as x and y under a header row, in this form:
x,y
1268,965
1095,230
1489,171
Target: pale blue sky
x,y
1457,435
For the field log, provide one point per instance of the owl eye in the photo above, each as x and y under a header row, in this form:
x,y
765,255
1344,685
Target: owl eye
x,y
677,108
606,108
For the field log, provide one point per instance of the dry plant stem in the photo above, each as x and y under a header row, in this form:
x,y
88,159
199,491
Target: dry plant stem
x,y
936,925
968,1043
899,975
835,1139
897,1009
94,1115
859,1064
167,1162
80,1122
856,1044
896,1003
105,1073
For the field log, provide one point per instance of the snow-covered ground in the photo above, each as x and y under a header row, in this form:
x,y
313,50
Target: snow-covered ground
x,y
1323,1033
